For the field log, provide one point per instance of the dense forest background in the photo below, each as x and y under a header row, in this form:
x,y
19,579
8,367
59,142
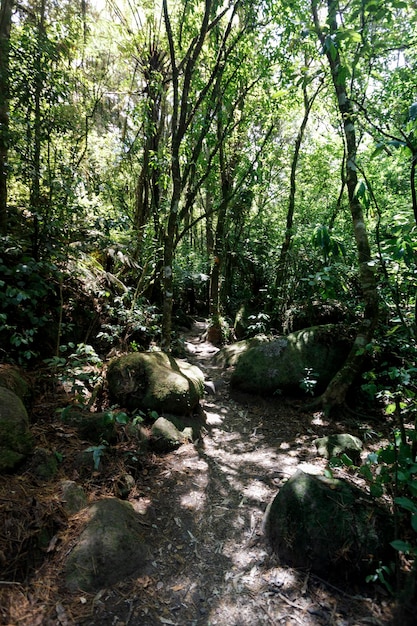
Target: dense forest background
x,y
244,161
250,162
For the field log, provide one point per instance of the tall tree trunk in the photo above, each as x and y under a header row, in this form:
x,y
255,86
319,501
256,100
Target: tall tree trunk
x,y
35,194
335,393
5,26
286,245
215,331
148,197
179,123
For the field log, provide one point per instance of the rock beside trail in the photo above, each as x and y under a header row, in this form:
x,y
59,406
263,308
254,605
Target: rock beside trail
x,y
336,445
12,378
73,497
16,441
229,355
165,436
44,464
307,359
111,547
155,381
330,527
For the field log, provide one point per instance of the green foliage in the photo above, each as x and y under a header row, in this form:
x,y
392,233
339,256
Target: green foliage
x,y
258,324
98,452
131,325
329,246
80,372
309,382
27,302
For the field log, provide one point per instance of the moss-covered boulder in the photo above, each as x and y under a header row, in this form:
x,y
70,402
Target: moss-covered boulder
x,y
12,378
16,441
337,445
229,355
328,526
311,356
165,436
111,547
155,381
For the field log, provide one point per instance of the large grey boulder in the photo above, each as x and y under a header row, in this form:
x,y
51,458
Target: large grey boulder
x,y
328,526
284,364
16,441
111,547
155,381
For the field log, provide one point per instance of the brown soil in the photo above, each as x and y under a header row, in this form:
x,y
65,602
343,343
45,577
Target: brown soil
x,y
202,509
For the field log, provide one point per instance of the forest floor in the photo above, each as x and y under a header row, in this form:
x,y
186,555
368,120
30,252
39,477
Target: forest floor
x,y
202,509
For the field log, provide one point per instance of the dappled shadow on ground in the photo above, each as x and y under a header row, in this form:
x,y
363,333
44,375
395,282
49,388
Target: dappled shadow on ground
x,y
202,509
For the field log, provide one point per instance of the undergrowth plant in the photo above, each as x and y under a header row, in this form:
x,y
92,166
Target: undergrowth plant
x,y
391,471
27,297
80,371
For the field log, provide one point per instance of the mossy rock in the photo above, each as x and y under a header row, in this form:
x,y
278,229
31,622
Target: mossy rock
x,y
330,527
229,355
12,378
16,441
111,547
283,364
73,497
336,445
155,381
165,436
44,464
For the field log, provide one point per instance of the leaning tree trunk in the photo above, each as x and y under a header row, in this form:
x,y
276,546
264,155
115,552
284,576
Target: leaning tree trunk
x,y
5,26
336,391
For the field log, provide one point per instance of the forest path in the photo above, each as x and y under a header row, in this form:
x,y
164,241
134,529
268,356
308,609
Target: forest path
x,y
203,506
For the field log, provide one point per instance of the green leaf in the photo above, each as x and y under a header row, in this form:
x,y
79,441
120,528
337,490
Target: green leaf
x,y
346,460
390,408
342,75
387,455
335,461
376,490
122,418
380,147
97,454
366,472
414,522
401,546
406,504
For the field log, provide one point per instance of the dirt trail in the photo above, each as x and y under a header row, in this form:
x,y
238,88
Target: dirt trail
x,y
204,510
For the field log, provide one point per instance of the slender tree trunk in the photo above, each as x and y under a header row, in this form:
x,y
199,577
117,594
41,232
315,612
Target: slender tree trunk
x,y
413,183
179,124
35,194
5,27
215,332
335,393
283,258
